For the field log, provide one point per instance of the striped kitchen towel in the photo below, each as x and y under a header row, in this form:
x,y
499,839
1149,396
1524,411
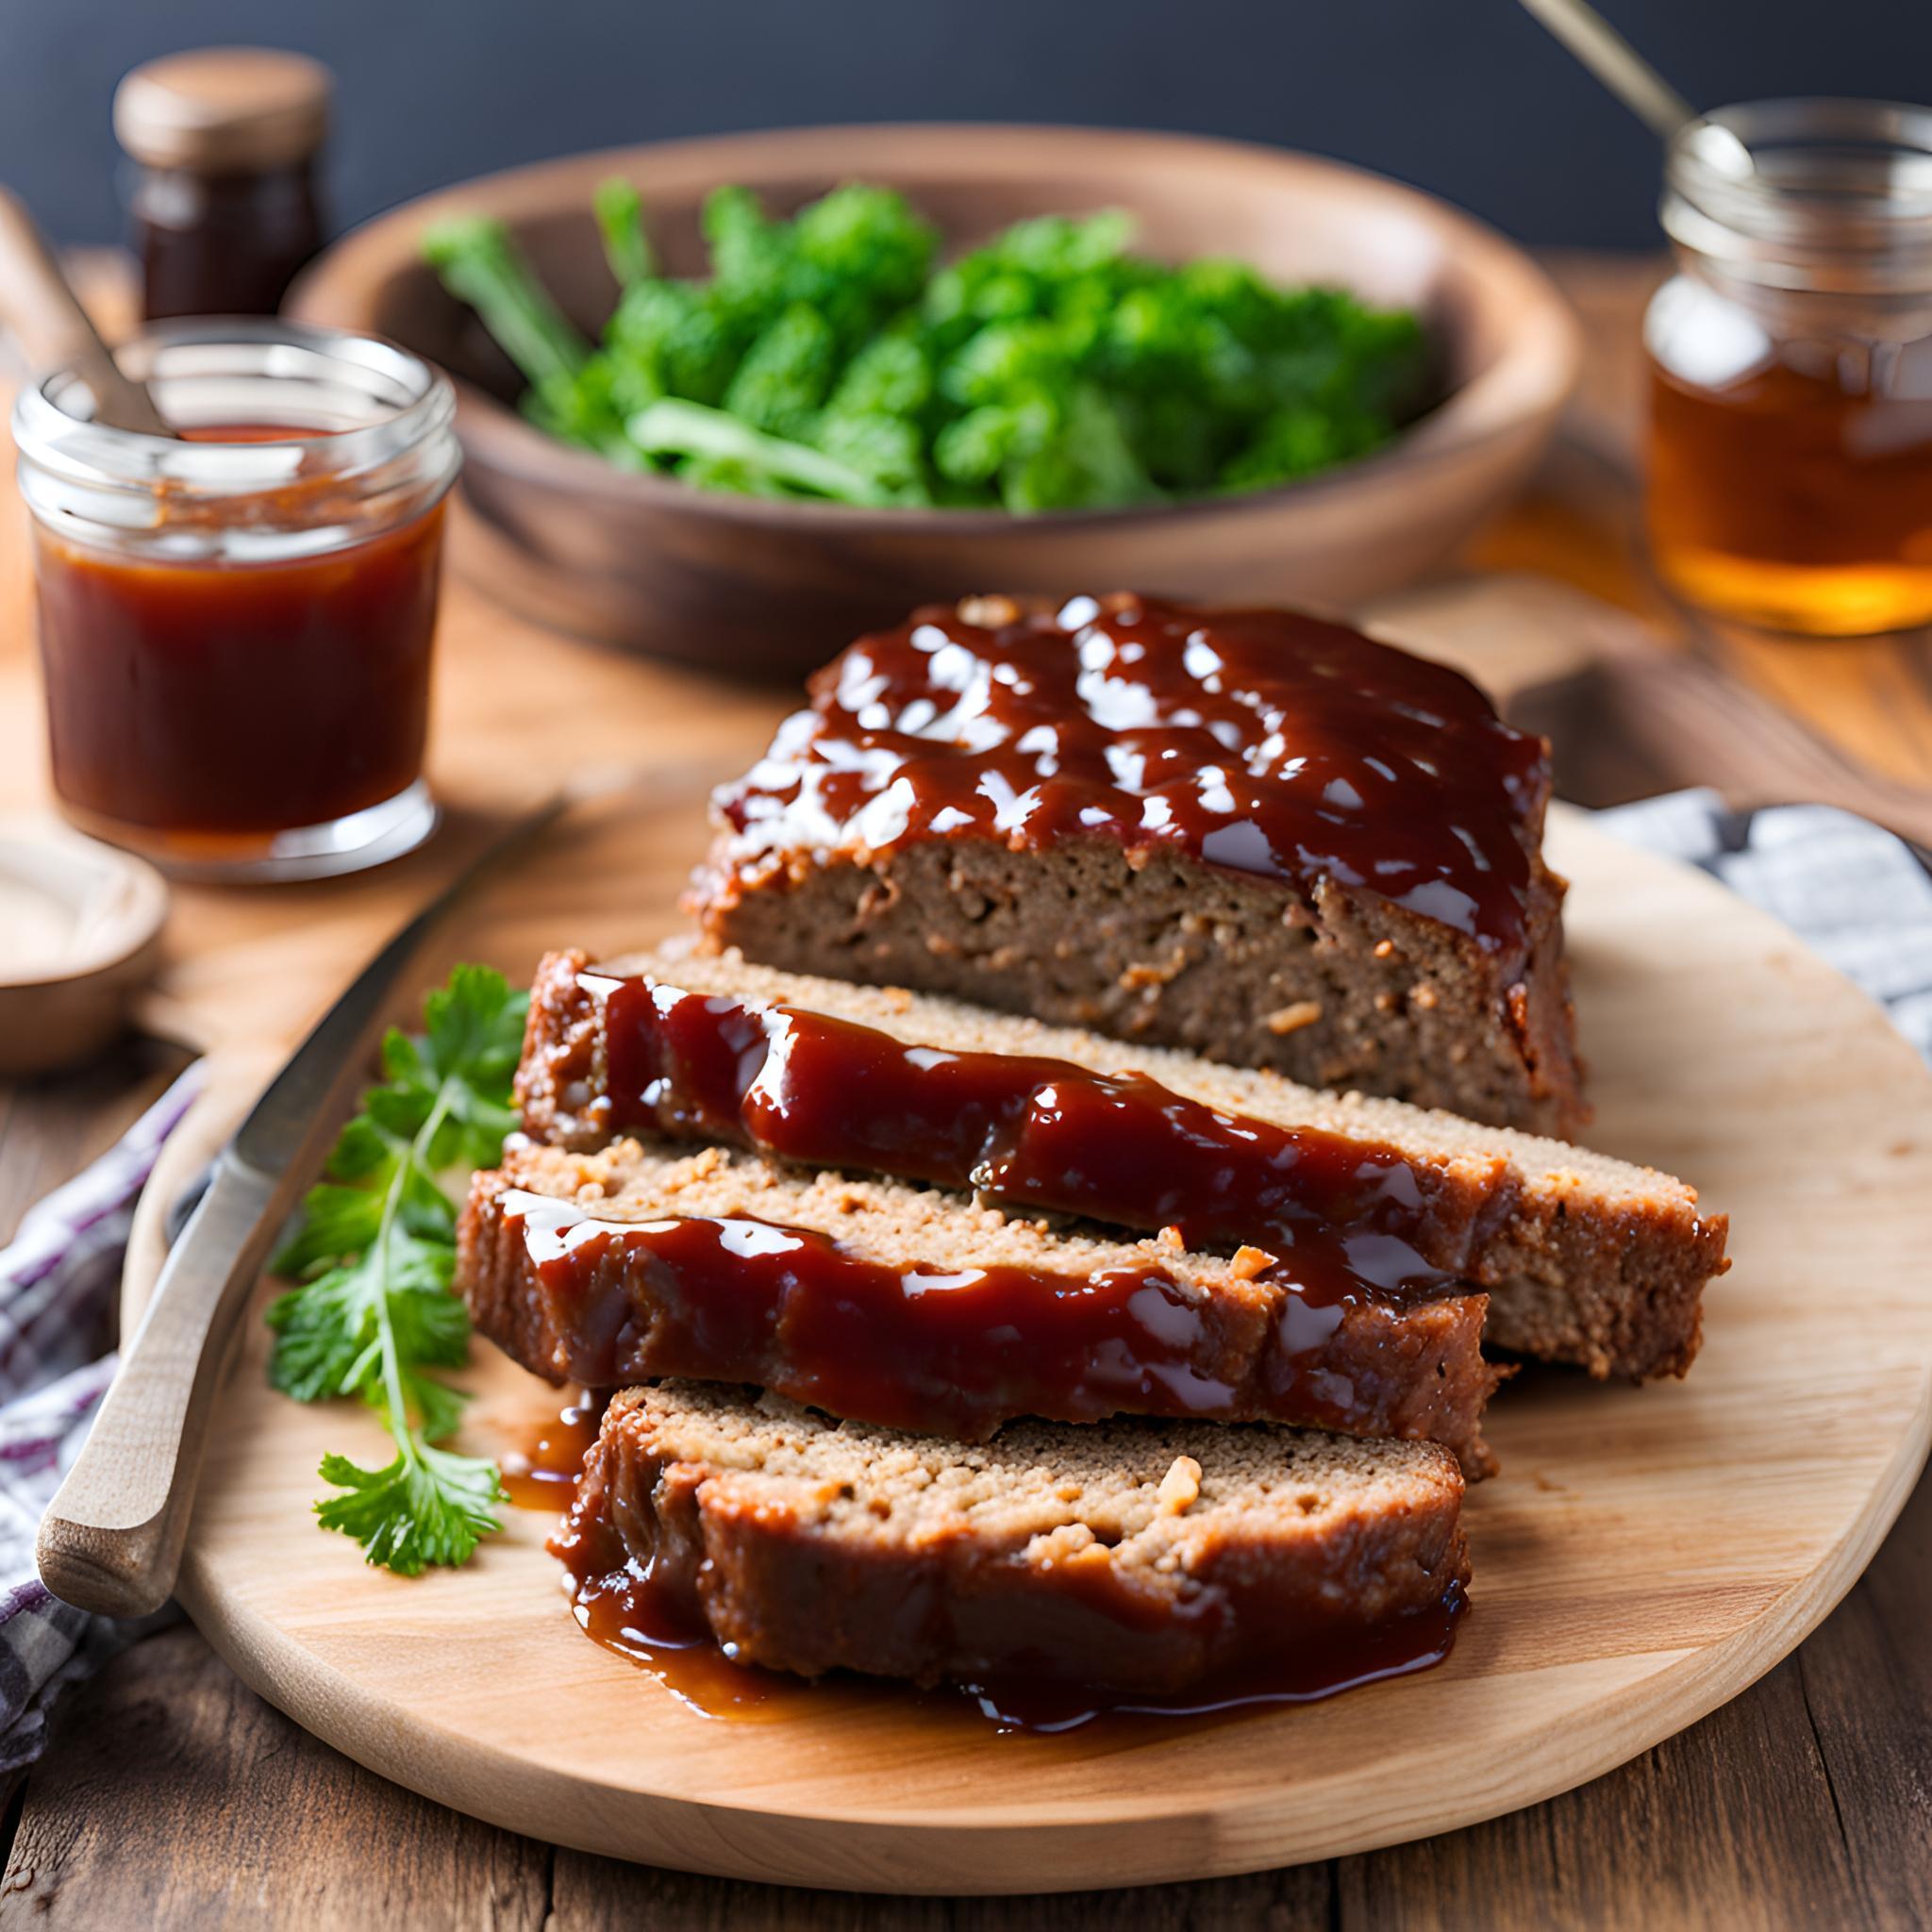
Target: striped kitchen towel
x,y
1855,895
59,1279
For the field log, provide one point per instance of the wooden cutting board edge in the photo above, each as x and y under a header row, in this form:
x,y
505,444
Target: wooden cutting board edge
x,y
904,1853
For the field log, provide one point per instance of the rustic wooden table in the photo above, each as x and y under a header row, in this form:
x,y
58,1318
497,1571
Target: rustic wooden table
x,y
172,1795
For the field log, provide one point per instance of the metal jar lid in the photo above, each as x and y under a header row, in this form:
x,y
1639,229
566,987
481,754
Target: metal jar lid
x,y
224,110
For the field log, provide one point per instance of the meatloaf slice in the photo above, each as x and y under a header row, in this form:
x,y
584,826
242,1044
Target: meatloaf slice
x,y
1246,833
1586,1260
919,1309
1125,1557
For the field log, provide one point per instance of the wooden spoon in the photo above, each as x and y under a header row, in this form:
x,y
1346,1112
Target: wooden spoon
x,y
55,330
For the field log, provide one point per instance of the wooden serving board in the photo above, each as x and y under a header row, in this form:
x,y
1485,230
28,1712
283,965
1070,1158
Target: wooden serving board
x,y
1645,1554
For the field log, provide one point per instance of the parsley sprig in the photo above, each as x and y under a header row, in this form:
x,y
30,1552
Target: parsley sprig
x,y
376,1255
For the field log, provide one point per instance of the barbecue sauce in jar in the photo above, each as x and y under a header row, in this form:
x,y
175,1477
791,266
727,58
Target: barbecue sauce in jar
x,y
261,695
225,200
236,623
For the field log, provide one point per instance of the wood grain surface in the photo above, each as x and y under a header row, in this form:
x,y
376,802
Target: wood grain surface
x,y
173,1796
1646,1553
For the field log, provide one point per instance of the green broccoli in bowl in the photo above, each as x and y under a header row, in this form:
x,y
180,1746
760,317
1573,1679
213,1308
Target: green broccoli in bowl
x,y
833,358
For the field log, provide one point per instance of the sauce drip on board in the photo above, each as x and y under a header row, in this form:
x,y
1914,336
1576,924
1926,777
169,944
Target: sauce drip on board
x,y
1342,1217
1258,741
627,1612
540,1470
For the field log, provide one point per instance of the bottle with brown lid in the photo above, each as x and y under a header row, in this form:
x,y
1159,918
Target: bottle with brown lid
x,y
224,199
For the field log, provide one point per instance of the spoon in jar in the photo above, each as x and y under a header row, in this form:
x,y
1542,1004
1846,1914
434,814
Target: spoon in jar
x,y
1637,84
46,315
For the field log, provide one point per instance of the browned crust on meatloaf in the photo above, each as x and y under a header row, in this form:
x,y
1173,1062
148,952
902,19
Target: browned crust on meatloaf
x,y
1123,1557
1343,990
1586,1260
632,1307
1329,983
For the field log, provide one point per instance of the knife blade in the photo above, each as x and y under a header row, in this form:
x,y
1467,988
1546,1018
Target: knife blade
x,y
111,1540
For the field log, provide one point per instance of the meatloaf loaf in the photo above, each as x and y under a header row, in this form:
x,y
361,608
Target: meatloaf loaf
x,y
1586,1260
921,1310
1124,1558
1254,834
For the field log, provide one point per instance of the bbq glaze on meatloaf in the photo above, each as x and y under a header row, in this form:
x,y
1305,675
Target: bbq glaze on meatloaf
x,y
1122,1556
919,1309
1586,1260
1249,833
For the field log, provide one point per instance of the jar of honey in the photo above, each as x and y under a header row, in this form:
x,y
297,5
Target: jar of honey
x,y
235,626
1791,367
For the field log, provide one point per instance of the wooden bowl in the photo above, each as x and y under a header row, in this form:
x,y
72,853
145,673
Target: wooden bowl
x,y
741,585
81,930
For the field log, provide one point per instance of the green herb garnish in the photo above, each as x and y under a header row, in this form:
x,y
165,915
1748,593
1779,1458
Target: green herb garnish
x,y
830,356
376,1253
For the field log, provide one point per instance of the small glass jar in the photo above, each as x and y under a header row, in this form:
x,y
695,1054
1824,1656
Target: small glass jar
x,y
1791,365
235,627
224,195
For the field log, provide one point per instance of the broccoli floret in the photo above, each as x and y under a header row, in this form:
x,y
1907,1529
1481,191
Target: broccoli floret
x,y
1088,463
892,375
1060,246
972,449
1002,359
685,342
887,450
749,254
1297,442
861,255
786,374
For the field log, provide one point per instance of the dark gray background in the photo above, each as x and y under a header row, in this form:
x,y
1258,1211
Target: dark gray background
x,y
1468,97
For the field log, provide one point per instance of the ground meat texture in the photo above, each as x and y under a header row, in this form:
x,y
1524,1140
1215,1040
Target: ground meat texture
x,y
1129,1557
1252,834
924,1310
1585,1258
1343,990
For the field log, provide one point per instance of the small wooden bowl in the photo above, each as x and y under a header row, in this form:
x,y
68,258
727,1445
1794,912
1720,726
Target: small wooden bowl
x,y
80,929
738,584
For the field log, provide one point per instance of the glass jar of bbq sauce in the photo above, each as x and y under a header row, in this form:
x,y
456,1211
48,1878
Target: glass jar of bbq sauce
x,y
235,627
1791,367
224,195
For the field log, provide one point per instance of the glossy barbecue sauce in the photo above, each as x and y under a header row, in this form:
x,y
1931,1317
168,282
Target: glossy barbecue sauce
x,y
1257,742
540,1470
1342,1215
223,697
658,1629
734,1299
1329,1228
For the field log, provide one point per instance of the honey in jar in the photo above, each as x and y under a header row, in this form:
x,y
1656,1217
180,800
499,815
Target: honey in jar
x,y
1790,368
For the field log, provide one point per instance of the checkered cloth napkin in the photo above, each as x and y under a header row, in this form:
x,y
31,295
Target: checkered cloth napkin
x,y
1853,893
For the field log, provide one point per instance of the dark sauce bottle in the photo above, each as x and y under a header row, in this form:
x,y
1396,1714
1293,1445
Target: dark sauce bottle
x,y
225,207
